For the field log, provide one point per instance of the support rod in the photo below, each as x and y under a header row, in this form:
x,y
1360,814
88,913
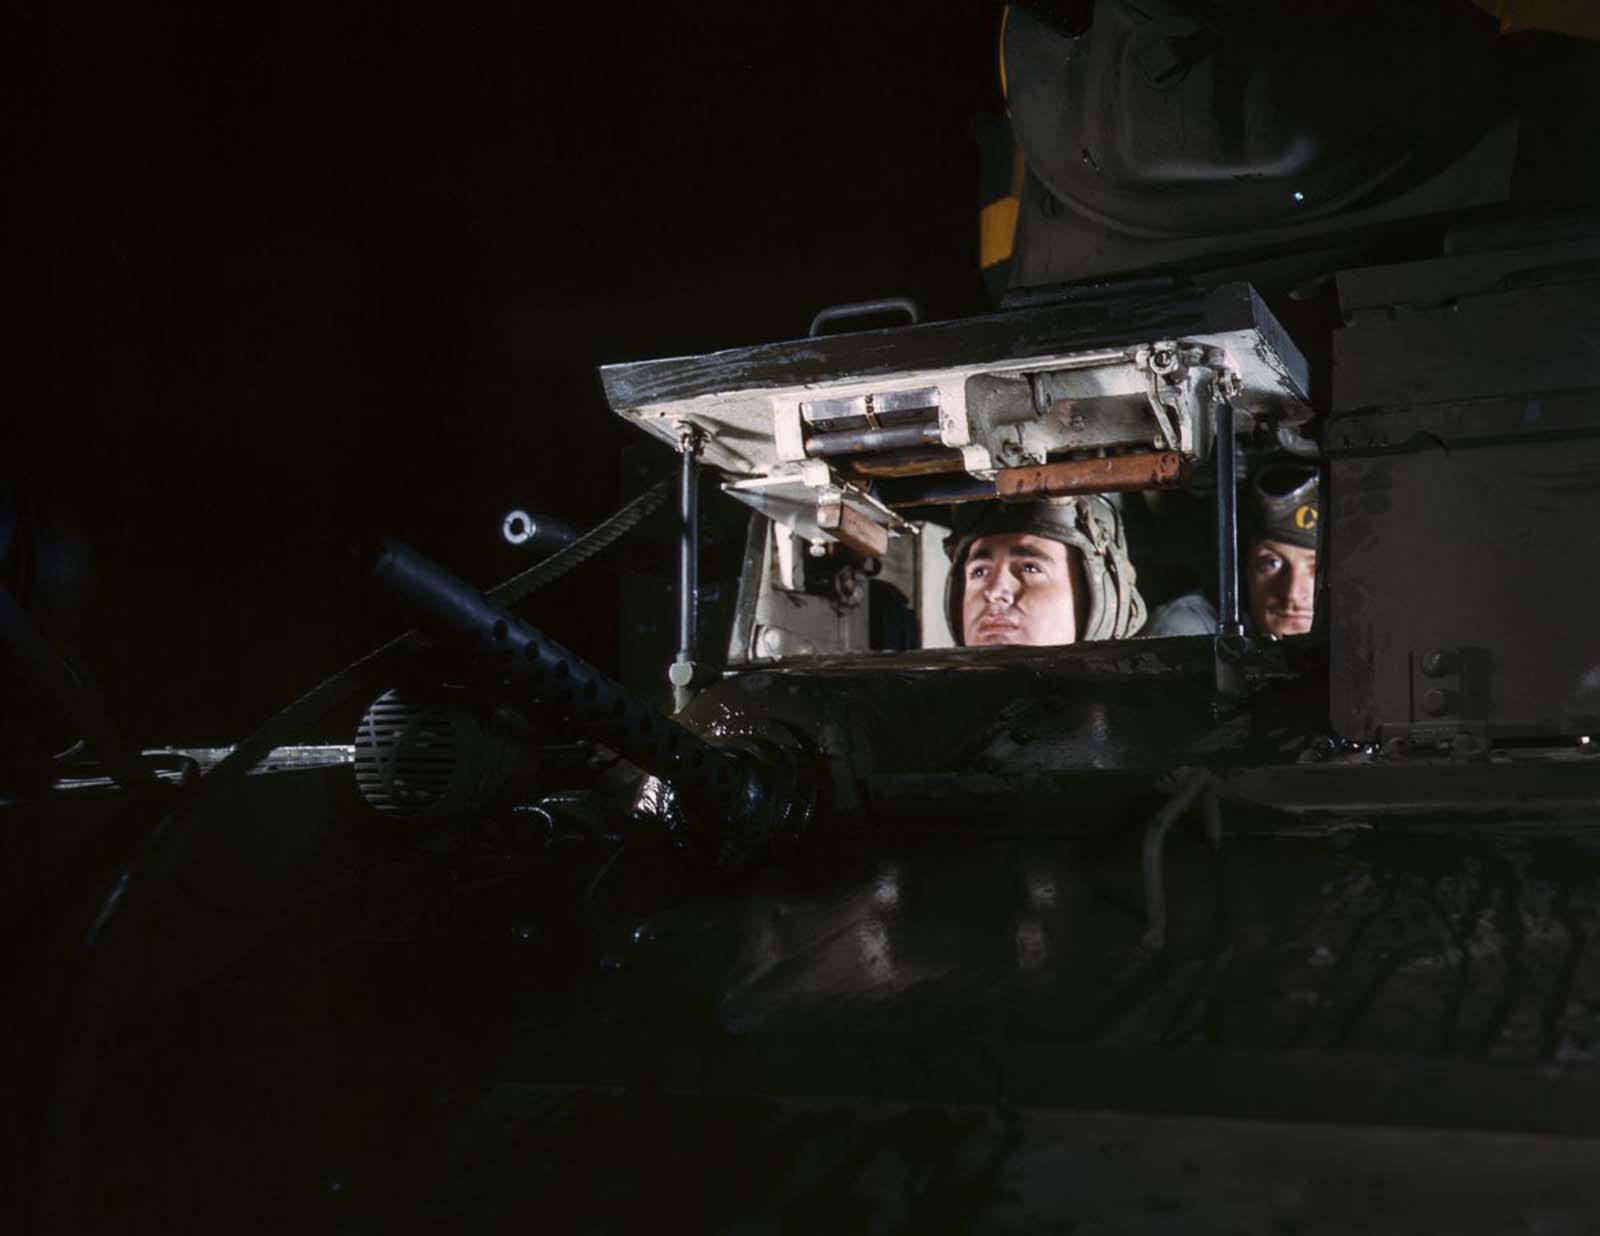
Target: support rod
x,y
684,670
933,490
1114,474
689,547
867,441
909,461
1229,622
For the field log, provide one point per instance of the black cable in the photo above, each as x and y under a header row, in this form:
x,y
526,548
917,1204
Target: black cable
x,y
342,686
601,536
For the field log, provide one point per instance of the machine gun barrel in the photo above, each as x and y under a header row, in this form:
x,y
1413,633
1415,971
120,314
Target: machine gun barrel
x,y
534,670
541,532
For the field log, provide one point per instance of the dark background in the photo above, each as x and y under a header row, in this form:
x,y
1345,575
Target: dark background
x,y
291,273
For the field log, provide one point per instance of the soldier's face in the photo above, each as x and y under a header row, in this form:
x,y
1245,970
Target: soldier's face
x,y
1018,589
1282,583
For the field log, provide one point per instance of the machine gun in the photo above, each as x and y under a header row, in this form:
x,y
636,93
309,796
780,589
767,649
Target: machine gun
x,y
736,801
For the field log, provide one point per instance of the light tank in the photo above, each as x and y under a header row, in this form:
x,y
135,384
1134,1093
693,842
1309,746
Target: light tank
x,y
1212,932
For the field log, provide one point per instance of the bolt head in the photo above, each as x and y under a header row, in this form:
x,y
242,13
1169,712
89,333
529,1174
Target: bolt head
x,y
1438,662
1437,701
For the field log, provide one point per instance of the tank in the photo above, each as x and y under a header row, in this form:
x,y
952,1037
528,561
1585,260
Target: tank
x,y
881,929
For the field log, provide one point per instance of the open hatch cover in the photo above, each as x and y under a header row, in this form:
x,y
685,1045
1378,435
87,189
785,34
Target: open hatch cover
x,y
838,437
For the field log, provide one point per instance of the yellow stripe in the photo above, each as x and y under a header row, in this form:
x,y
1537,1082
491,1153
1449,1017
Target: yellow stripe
x,y
997,231
1000,52
1578,18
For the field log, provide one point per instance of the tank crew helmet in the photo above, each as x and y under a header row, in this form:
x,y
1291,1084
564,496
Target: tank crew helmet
x,y
1090,524
1285,504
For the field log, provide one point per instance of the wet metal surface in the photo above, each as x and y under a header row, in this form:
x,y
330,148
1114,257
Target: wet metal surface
x,y
1347,1025
1355,1032
1141,706
1414,947
822,1166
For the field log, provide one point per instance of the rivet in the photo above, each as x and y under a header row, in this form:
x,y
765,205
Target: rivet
x,y
1439,662
1437,701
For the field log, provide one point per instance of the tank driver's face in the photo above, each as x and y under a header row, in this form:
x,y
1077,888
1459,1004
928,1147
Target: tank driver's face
x,y
1019,589
1282,582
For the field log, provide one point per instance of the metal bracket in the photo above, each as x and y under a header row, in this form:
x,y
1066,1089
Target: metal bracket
x,y
1441,707
1182,384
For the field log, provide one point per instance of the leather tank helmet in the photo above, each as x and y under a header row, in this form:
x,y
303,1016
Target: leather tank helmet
x,y
1092,525
1285,504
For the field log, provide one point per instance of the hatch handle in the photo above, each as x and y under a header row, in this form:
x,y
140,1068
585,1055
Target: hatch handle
x,y
866,309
